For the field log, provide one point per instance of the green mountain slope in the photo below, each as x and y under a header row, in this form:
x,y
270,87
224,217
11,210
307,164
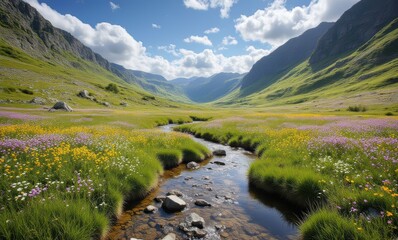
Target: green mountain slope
x,y
354,28
268,69
355,62
38,60
368,76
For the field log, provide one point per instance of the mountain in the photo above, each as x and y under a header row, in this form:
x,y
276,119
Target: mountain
x,y
354,28
202,90
24,28
359,69
39,60
268,69
153,83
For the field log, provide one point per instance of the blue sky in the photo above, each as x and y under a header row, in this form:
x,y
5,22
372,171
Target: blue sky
x,y
169,37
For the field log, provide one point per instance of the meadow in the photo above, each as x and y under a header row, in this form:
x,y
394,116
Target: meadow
x,y
343,169
68,175
61,179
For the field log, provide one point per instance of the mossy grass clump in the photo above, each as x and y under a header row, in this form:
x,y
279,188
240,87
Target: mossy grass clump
x,y
112,87
357,108
327,224
170,158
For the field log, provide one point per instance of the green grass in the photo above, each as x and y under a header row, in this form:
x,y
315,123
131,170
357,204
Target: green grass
x,y
85,175
343,163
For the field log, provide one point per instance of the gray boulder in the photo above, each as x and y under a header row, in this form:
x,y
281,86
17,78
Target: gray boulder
x,y
219,152
193,165
85,94
38,100
173,203
61,106
202,203
195,220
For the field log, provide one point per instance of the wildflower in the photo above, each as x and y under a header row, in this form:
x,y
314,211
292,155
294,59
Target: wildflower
x,y
389,214
389,222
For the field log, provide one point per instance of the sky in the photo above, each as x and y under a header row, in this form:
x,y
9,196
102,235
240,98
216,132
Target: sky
x,y
186,38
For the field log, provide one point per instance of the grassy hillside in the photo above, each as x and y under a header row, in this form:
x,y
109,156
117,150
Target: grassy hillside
x,y
368,76
37,78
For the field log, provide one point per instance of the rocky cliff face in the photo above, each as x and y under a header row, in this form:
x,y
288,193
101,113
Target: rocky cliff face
x,y
355,27
23,27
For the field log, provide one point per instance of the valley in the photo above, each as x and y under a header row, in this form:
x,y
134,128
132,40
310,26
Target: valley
x,y
304,145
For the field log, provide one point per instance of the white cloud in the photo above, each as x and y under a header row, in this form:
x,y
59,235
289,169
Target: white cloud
x,y
212,30
156,26
224,5
114,6
170,49
276,24
201,40
229,40
197,4
115,44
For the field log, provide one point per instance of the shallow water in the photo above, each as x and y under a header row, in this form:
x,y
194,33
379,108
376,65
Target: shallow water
x,y
245,213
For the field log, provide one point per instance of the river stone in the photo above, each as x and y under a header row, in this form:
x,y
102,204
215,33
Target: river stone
x,y
174,192
202,203
195,220
199,233
219,163
192,165
173,203
192,231
170,236
219,152
150,209
160,198
61,106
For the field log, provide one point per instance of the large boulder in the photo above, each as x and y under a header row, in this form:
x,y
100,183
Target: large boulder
x,y
173,203
61,106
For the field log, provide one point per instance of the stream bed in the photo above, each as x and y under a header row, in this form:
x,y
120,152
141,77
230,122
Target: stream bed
x,y
238,210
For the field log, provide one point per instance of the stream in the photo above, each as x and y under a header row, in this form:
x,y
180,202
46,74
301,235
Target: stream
x,y
238,210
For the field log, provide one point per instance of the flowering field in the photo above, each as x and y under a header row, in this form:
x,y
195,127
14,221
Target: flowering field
x,y
66,183
345,169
